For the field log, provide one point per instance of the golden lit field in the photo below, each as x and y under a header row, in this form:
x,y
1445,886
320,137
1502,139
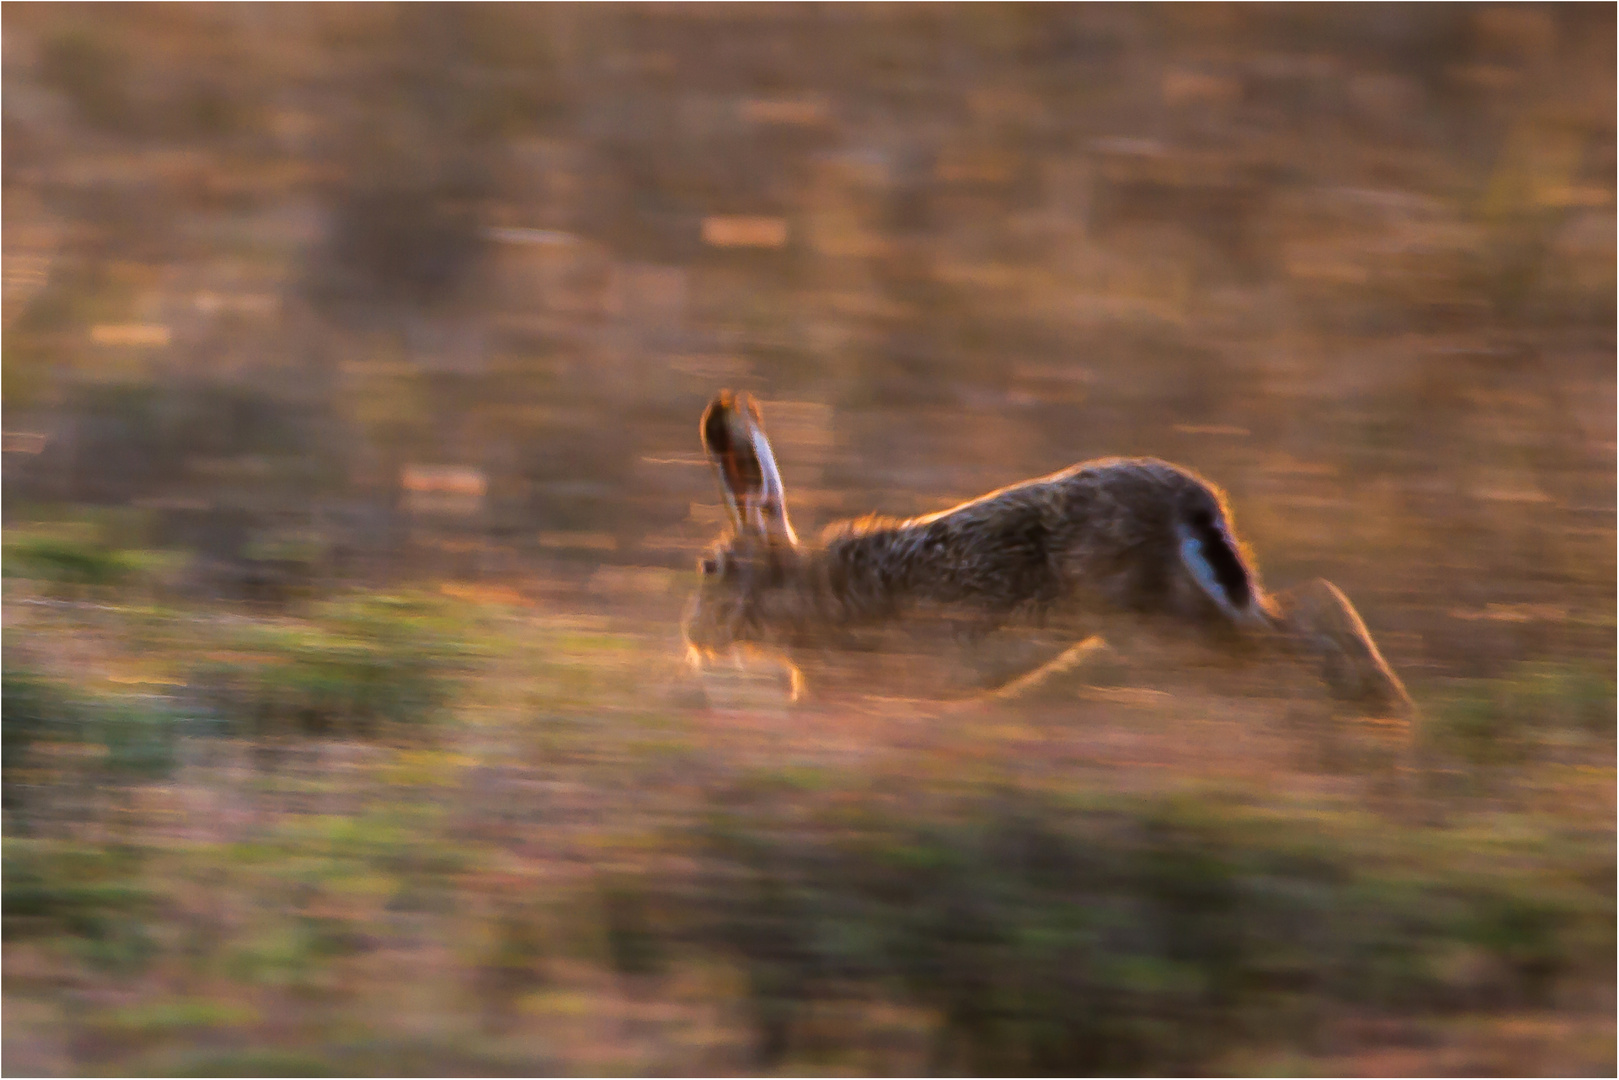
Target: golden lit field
x,y
353,364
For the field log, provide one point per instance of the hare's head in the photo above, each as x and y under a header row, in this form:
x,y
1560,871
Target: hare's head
x,y
750,589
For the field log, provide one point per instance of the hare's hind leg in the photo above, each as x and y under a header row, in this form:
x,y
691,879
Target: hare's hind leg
x,y
1368,726
1319,622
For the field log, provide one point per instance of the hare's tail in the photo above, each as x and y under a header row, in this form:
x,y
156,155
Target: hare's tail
x,y
1210,554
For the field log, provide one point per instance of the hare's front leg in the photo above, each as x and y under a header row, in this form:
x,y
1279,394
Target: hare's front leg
x,y
1020,661
1055,673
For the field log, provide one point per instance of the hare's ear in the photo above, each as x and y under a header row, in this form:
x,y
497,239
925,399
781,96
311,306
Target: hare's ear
x,y
734,436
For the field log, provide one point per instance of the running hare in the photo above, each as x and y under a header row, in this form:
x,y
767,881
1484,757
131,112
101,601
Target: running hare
x,y
1113,537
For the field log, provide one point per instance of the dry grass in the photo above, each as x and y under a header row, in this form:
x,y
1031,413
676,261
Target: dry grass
x,y
309,772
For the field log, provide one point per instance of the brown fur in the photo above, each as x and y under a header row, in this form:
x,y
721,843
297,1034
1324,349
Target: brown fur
x,y
1115,536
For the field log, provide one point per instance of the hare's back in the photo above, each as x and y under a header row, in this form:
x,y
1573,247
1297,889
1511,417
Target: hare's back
x,y
1106,493
1134,499
1127,526
1102,527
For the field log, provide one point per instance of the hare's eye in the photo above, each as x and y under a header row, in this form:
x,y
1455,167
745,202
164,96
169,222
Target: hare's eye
x,y
709,566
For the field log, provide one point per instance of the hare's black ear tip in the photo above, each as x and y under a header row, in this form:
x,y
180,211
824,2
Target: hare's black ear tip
x,y
736,401
718,402
712,425
727,402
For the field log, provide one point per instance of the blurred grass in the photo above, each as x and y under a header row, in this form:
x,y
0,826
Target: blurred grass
x,y
589,869
355,667
1537,710
309,771
58,739
1133,937
89,901
66,561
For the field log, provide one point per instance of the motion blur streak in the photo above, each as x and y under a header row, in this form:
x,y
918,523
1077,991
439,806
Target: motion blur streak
x,y
353,500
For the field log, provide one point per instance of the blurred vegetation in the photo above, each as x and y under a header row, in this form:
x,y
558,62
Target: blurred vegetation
x,y
357,667
1537,710
55,736
1131,938
67,561
352,358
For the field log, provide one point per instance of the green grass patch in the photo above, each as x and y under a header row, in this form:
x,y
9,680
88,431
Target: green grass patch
x,y
67,559
1539,708
55,735
91,900
1145,936
359,666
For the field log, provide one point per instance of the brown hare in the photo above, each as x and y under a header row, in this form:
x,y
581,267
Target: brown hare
x,y
1107,538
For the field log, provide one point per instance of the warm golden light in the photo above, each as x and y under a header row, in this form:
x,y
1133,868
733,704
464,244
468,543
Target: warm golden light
x,y
620,539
